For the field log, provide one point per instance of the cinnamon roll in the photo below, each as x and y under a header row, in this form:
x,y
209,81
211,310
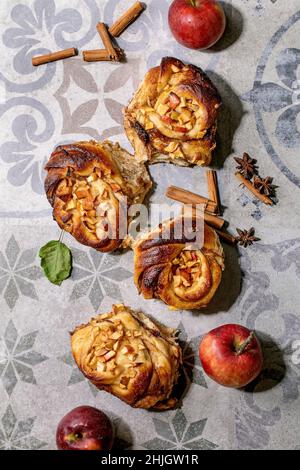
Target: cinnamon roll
x,y
90,185
172,116
125,353
182,274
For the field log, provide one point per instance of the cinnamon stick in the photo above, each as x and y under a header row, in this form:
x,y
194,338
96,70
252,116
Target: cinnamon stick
x,y
103,32
99,55
187,197
213,220
209,218
227,237
213,189
126,19
59,55
253,190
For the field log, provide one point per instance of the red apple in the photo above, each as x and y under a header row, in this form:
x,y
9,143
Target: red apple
x,y
197,24
231,355
84,428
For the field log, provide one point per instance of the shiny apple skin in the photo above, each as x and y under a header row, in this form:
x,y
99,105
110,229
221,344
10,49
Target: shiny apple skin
x,y
84,428
217,352
197,27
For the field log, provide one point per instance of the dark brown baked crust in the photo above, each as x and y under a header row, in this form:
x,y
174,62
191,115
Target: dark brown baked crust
x,y
176,271
125,353
172,116
90,186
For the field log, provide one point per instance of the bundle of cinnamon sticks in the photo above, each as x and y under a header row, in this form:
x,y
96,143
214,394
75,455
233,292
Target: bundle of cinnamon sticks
x,y
212,205
110,52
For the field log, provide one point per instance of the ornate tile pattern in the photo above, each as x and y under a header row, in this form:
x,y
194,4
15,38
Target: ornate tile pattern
x,y
17,434
17,358
96,275
179,434
18,271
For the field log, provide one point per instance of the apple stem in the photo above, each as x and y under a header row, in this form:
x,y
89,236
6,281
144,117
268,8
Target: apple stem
x,y
193,3
243,346
72,437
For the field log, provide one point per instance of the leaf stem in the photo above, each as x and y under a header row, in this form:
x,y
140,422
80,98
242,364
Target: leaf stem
x,y
61,236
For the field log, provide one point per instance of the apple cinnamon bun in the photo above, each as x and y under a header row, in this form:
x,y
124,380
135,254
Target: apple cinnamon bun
x,y
173,115
125,353
90,185
182,274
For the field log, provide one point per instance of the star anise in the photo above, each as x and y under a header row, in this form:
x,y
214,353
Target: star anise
x,y
246,166
246,237
264,185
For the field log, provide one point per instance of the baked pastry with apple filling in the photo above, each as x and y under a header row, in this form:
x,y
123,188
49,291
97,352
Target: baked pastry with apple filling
x,y
184,272
125,353
172,116
90,185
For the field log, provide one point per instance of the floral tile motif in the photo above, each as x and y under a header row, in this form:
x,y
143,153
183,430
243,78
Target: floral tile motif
x,y
36,28
96,275
76,376
253,421
283,97
257,296
276,102
18,153
284,255
16,434
17,273
74,121
179,434
26,152
17,358
44,23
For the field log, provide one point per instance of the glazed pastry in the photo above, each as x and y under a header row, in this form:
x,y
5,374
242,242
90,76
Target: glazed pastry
x,y
182,274
172,116
125,353
90,185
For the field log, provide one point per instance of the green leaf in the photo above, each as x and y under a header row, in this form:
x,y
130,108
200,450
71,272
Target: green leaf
x,y
56,261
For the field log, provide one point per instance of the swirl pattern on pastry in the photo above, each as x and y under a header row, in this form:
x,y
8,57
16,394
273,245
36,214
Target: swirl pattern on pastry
x,y
182,274
172,116
90,185
125,353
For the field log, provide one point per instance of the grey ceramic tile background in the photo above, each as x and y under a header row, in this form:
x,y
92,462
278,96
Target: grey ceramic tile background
x,y
258,76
